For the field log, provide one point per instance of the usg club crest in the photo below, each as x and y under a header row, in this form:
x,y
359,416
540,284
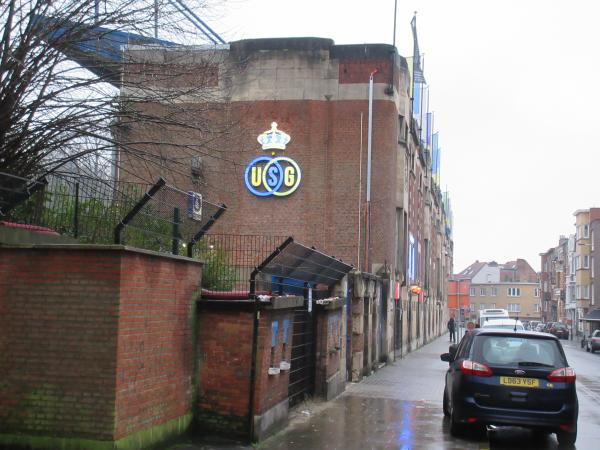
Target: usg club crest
x,y
273,175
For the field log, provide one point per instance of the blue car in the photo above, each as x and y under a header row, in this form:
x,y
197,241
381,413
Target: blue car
x,y
511,378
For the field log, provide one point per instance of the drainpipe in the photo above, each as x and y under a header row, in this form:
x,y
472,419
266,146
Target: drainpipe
x,y
368,209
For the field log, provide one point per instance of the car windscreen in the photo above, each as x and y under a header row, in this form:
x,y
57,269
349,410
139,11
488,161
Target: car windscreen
x,y
517,351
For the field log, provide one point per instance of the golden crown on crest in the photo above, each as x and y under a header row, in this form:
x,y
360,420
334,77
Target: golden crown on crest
x,y
273,138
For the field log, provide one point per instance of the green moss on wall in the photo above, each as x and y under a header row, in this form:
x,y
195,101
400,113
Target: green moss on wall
x,y
145,439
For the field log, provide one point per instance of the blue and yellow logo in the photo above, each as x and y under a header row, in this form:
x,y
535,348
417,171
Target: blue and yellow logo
x,y
274,175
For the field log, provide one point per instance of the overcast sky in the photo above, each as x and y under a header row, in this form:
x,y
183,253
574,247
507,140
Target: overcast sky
x,y
515,86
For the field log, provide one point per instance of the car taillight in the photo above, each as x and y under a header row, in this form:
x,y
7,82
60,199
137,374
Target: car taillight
x,y
564,375
469,367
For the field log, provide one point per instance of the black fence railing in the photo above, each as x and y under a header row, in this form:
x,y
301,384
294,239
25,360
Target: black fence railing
x,y
156,217
229,261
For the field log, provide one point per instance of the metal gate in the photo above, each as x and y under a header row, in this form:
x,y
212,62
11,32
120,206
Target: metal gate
x,y
302,370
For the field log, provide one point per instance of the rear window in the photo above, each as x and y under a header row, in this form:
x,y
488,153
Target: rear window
x,y
503,327
514,351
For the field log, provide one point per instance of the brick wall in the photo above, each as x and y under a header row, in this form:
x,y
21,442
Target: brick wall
x,y
224,360
155,363
58,341
95,342
272,389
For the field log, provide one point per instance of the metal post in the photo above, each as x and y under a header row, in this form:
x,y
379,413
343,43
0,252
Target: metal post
x,y
139,205
76,212
175,241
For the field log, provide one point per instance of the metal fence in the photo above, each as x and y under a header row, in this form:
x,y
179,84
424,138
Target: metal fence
x,y
156,217
230,259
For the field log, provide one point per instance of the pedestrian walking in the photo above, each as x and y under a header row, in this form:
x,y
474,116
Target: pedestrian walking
x,y
451,329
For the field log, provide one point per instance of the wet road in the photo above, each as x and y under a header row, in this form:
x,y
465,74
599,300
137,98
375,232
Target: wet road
x,y
400,407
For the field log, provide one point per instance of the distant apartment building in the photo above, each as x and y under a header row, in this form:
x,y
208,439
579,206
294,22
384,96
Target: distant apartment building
x,y
553,282
513,286
587,287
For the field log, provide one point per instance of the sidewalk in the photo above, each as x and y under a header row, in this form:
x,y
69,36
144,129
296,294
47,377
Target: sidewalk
x,y
390,409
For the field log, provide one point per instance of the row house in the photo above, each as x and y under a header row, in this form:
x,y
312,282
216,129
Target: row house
x,y
513,286
554,276
569,285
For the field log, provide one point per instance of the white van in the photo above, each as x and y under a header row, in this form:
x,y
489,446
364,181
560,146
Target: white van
x,y
486,314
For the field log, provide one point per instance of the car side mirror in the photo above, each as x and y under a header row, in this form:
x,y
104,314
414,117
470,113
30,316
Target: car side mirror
x,y
447,357
452,350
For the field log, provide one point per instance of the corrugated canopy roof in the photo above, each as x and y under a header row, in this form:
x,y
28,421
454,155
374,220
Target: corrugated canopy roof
x,y
298,262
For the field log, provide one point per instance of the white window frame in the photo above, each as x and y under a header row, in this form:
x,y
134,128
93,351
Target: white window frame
x,y
481,306
494,291
536,292
471,292
482,292
513,292
514,307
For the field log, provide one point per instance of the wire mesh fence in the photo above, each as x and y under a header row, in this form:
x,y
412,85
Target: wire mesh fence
x,y
230,259
104,211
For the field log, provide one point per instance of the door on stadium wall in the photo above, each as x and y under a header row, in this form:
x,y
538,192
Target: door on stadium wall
x,y
302,370
302,363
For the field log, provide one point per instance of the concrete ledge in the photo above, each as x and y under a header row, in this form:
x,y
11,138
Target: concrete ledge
x,y
271,421
285,302
332,303
97,248
144,439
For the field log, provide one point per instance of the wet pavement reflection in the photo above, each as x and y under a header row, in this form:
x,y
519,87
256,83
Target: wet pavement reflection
x,y
400,407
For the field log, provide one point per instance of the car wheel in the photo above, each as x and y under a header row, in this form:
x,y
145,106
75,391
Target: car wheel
x,y
456,428
566,438
445,404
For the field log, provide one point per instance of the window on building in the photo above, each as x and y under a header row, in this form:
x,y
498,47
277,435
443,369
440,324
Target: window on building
x,y
401,130
472,292
537,307
514,292
586,291
514,307
481,306
482,292
586,231
536,292
494,291
586,261
472,307
493,306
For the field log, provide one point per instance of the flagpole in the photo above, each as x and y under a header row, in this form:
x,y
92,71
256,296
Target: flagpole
x,y
395,9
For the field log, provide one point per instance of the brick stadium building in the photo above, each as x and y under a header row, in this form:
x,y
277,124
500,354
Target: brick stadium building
x,y
317,93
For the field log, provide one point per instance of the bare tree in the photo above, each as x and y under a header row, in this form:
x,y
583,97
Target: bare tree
x,y
54,113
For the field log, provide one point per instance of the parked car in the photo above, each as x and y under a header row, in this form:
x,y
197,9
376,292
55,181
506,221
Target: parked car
x,y
593,343
559,330
533,324
507,324
508,378
547,327
540,326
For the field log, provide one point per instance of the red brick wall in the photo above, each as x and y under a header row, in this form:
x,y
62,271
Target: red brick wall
x,y
155,361
272,389
224,360
326,143
58,339
94,343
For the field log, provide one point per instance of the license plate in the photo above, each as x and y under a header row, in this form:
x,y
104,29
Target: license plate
x,y
520,382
